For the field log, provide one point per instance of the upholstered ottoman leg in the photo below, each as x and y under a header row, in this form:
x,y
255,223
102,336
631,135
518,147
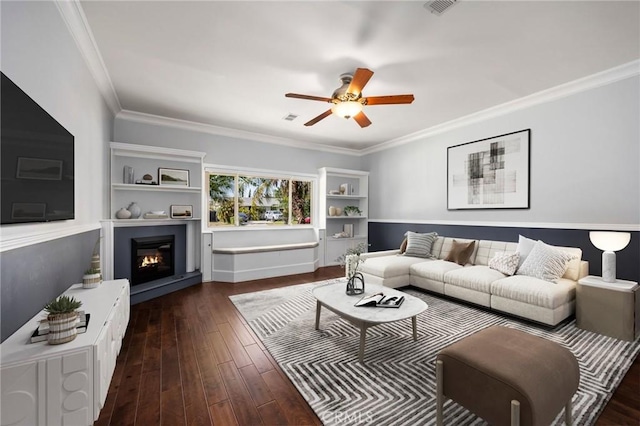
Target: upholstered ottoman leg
x,y
515,413
567,413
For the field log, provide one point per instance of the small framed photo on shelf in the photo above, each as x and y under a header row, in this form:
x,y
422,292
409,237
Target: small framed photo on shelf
x,y
173,177
181,212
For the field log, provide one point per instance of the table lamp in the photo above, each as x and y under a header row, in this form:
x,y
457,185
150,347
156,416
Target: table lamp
x,y
609,242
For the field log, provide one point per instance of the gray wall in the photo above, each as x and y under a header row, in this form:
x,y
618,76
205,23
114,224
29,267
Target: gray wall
x,y
34,275
222,150
584,164
39,54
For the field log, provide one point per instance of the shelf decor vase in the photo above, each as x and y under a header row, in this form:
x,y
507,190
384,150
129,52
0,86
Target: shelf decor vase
x,y
62,328
135,210
355,284
332,211
123,214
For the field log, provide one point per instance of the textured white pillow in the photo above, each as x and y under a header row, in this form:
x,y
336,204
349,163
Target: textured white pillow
x,y
545,262
507,263
525,245
419,245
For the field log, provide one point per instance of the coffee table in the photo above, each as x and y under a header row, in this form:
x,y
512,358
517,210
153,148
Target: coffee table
x,y
333,297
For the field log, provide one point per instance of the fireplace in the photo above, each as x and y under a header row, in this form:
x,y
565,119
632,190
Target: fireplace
x,y
152,258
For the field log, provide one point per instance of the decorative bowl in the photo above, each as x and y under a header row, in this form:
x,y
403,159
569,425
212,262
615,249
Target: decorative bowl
x,y
158,212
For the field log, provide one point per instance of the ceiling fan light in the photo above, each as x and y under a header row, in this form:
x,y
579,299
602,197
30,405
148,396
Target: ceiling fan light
x,y
346,109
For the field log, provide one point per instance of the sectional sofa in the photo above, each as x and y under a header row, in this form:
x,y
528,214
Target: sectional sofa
x,y
530,297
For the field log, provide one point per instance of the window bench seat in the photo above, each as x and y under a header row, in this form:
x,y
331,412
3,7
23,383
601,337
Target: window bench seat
x,y
251,262
261,249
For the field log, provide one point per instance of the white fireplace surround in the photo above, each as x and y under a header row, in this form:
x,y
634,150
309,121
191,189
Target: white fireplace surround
x,y
193,260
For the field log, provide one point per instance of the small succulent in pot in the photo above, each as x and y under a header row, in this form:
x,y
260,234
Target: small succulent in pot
x,y
63,319
62,305
91,278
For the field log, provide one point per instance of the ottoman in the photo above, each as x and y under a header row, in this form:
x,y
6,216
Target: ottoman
x,y
507,376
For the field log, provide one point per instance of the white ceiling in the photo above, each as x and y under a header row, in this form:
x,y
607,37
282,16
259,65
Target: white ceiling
x,y
229,63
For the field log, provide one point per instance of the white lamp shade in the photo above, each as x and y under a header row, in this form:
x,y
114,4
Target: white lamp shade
x,y
346,109
609,241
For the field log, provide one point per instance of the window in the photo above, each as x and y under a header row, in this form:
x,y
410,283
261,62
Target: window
x,y
243,199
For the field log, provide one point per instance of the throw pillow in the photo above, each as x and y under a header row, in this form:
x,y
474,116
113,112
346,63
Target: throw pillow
x,y
545,262
419,245
403,245
507,263
460,252
525,245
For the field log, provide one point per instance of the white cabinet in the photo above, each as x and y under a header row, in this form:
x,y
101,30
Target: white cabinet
x,y
65,384
340,188
146,160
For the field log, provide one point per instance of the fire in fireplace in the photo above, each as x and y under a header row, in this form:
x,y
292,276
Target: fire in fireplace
x,y
152,258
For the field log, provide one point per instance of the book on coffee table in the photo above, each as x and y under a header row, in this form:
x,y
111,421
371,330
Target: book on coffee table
x,y
380,300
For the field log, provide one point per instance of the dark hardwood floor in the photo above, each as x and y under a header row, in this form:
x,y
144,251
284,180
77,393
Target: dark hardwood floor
x,y
190,358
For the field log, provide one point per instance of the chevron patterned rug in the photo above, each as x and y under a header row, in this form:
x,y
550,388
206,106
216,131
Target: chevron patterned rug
x,y
396,384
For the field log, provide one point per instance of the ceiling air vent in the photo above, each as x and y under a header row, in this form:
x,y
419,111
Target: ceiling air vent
x,y
290,117
438,7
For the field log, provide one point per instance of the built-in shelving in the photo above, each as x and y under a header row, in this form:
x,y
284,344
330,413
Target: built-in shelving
x,y
356,185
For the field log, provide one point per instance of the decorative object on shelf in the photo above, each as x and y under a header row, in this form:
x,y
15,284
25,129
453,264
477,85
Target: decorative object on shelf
x,y
135,210
63,319
181,212
127,175
332,211
352,211
342,234
490,173
123,214
609,242
156,215
91,278
334,192
347,228
173,177
351,260
147,179
338,211
344,189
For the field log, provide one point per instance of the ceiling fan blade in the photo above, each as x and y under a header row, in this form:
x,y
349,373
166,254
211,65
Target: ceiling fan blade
x,y
389,100
318,118
362,119
308,97
359,80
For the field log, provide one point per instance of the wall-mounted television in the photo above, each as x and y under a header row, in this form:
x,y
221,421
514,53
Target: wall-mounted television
x,y
36,155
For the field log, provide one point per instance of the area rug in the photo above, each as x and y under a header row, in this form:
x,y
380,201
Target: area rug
x,y
396,384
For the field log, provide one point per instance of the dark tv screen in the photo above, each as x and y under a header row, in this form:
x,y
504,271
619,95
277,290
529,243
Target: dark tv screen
x,y
36,155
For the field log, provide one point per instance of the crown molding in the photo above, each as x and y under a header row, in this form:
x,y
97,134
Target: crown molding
x,y
158,120
76,22
626,227
594,81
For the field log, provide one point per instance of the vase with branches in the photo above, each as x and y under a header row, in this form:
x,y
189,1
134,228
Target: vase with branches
x,y
351,261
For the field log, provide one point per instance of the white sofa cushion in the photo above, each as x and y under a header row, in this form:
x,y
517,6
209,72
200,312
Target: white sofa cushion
x,y
488,249
389,266
545,262
478,278
507,263
535,291
434,269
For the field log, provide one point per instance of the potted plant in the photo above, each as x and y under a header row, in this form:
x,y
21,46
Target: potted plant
x,y
91,278
352,211
351,261
63,319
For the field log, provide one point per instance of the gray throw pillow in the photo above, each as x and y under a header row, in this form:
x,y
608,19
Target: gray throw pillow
x,y
545,262
419,245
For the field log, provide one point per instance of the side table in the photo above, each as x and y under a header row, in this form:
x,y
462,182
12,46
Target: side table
x,y
612,309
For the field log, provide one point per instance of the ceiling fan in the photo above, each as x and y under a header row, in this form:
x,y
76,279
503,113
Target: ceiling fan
x,y
348,101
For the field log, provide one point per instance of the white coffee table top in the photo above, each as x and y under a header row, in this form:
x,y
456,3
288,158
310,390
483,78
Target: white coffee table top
x,y
333,296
